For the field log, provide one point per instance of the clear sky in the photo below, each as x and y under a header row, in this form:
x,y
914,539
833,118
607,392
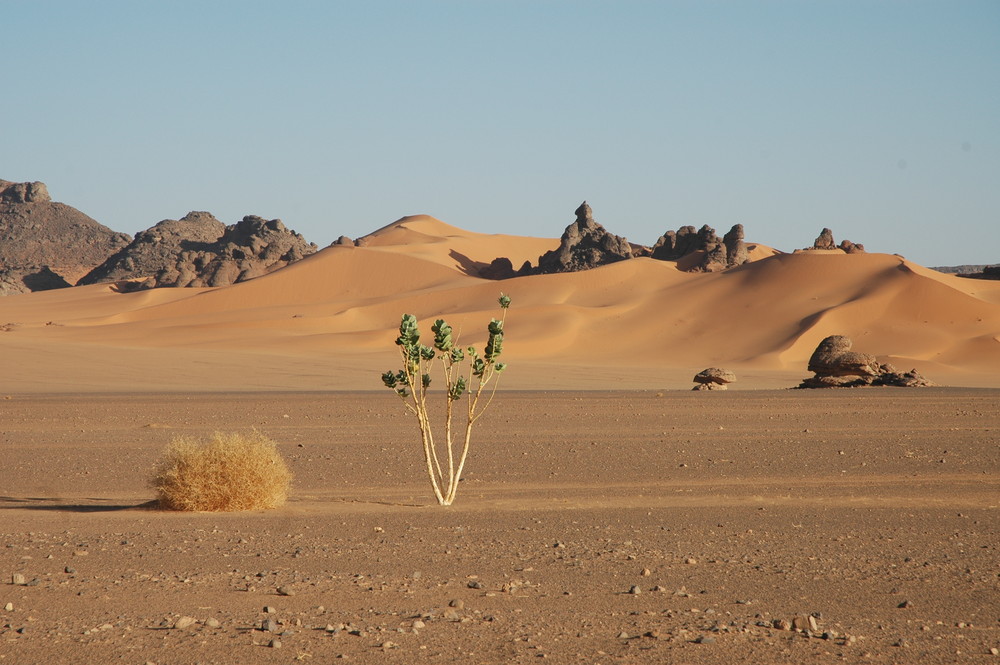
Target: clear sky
x,y
878,119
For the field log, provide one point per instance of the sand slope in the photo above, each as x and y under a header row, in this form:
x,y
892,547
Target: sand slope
x,y
328,321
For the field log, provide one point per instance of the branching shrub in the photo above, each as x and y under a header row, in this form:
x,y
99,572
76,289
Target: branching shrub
x,y
413,381
230,472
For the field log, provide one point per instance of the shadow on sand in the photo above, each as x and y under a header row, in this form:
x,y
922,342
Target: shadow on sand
x,y
61,505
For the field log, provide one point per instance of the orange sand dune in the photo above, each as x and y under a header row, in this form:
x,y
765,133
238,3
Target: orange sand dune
x,y
328,322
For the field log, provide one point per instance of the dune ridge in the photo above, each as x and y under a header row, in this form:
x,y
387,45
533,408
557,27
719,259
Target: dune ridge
x,y
328,321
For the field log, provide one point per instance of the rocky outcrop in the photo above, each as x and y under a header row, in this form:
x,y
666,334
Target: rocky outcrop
x,y
44,244
584,245
825,241
835,365
24,192
674,245
987,272
716,254
199,250
714,378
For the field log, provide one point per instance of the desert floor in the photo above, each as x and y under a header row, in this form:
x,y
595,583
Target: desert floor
x,y
591,527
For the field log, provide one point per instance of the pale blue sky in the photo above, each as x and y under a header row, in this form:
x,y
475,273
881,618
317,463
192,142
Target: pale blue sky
x,y
880,120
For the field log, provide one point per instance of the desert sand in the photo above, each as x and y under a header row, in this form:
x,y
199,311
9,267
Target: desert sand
x,y
607,514
325,322
591,527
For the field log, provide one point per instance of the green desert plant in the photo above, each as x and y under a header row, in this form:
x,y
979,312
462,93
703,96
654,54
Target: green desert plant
x,y
230,472
413,381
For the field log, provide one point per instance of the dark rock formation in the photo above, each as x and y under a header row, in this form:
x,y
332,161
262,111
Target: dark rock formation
x,y
499,268
584,245
674,245
199,250
835,366
736,249
46,245
825,241
851,247
714,378
717,254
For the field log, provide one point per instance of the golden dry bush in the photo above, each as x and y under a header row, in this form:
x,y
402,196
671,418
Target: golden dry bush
x,y
231,471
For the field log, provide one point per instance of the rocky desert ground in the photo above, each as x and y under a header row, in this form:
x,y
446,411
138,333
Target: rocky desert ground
x,y
765,526
608,513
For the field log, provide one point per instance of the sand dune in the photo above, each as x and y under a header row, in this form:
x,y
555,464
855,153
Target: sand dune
x,y
328,321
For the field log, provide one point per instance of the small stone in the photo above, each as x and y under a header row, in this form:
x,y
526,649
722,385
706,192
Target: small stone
x,y
705,639
184,622
457,604
452,615
813,624
623,635
475,584
995,651
782,624
903,605
635,590
800,623
418,624
9,607
269,625
559,545
646,572
69,569
269,610
212,623
18,579
389,645
274,644
285,591
690,560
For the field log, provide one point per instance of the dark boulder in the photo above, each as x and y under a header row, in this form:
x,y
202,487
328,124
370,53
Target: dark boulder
x,y
714,378
835,365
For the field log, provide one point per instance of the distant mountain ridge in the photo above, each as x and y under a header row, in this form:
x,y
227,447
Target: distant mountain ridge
x,y
47,245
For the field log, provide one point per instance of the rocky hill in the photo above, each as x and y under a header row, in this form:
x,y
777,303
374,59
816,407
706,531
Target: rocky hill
x,y
199,250
44,244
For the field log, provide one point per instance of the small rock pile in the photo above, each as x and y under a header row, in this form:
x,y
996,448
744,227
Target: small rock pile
x,y
835,365
713,378
825,241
